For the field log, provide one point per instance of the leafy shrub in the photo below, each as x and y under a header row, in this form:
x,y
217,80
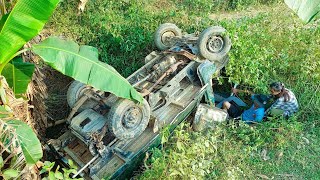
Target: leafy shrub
x,y
49,174
226,152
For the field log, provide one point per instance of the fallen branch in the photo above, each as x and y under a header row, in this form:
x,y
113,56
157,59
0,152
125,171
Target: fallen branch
x,y
285,175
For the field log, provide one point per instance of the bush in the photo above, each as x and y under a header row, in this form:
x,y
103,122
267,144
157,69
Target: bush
x,y
227,152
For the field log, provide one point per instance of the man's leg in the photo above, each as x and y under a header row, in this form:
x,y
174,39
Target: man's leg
x,y
226,105
276,112
235,99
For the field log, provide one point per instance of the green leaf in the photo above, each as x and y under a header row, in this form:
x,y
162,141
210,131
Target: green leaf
x,y
206,144
174,173
3,20
1,162
51,176
82,64
71,164
10,173
58,175
24,22
43,171
28,141
4,113
179,145
68,172
163,139
18,75
47,166
306,9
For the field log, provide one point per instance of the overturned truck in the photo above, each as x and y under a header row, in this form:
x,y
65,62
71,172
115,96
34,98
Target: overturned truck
x,y
108,136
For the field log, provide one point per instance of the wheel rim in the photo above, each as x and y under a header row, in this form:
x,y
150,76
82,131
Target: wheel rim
x,y
215,44
132,117
165,36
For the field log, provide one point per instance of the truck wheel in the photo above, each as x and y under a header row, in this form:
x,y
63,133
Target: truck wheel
x,y
213,43
127,120
75,91
163,32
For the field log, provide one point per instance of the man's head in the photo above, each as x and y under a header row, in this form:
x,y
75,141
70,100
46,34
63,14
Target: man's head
x,y
276,88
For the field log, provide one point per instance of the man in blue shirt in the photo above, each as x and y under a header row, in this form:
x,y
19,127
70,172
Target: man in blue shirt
x,y
254,114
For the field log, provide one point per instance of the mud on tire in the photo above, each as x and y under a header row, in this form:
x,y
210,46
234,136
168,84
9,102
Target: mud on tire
x,y
127,120
163,32
75,91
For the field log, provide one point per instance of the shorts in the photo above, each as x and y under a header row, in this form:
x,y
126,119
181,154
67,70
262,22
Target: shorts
x,y
234,110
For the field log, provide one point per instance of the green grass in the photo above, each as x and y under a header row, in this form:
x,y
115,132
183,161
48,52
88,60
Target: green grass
x,y
269,43
123,30
236,152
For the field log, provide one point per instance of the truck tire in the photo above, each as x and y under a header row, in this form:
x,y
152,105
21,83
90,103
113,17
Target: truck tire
x,y
75,91
213,43
164,31
127,120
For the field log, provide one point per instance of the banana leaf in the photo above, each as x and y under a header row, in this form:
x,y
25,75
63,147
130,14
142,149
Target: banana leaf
x,y
82,64
305,9
25,21
28,141
18,75
10,173
3,20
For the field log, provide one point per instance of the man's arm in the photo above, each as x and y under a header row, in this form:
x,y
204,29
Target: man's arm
x,y
276,105
235,91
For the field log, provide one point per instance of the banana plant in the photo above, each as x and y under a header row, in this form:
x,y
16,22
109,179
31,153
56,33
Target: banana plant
x,y
17,27
20,146
307,10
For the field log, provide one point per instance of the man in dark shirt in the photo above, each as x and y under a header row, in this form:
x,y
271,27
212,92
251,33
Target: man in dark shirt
x,y
232,108
254,114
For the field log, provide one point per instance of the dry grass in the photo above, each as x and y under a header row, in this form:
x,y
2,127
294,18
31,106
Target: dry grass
x,y
46,92
12,155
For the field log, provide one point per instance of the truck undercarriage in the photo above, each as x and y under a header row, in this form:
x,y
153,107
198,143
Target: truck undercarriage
x,y
108,135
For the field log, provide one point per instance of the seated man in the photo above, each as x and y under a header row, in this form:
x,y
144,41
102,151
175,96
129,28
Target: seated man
x,y
232,108
254,114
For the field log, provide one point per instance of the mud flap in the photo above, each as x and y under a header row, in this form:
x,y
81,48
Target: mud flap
x,y
205,72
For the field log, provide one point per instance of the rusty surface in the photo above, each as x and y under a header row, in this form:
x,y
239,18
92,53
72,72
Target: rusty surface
x,y
81,150
183,53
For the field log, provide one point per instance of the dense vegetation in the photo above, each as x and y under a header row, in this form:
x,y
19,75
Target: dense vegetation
x,y
269,43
